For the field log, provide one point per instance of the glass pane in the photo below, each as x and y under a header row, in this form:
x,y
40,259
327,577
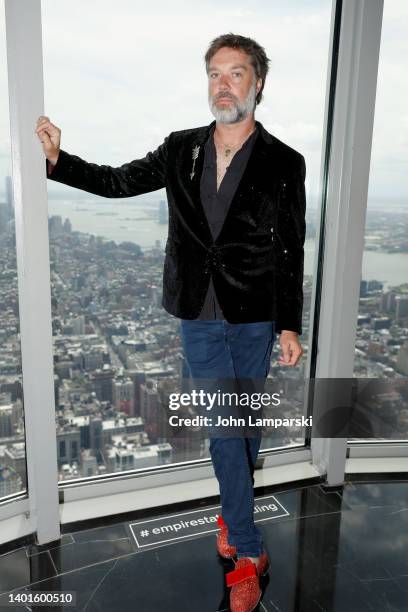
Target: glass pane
x,y
118,80
12,434
381,350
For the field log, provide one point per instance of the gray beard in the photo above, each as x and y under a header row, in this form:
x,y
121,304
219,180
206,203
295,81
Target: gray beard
x,y
238,111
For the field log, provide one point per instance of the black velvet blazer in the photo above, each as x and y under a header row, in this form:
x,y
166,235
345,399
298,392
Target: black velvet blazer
x,y
256,261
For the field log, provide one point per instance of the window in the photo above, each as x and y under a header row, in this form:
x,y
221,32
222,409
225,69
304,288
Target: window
x,y
13,477
381,349
133,76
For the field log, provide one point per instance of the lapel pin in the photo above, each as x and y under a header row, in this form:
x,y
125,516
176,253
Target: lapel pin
x,y
195,155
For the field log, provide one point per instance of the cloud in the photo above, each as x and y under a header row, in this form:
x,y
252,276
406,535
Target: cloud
x,y
117,82
120,77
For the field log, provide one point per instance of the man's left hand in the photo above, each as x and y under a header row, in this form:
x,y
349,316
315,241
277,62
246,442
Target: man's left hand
x,y
291,348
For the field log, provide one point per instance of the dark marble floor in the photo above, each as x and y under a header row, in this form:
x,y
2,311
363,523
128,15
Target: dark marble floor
x,y
330,551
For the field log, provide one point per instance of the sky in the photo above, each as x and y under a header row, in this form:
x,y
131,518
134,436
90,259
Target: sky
x,y
119,77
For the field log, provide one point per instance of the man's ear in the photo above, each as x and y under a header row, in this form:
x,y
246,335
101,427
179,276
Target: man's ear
x,y
258,85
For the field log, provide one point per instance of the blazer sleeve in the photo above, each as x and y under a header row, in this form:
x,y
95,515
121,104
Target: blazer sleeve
x,y
290,238
131,179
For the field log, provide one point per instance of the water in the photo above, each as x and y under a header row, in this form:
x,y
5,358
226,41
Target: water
x,y
137,221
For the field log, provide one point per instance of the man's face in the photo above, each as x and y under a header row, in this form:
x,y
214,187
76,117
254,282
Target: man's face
x,y
232,85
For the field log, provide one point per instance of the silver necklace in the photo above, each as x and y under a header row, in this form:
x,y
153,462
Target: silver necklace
x,y
228,149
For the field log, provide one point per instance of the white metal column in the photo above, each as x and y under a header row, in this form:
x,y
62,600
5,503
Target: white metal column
x,y
347,190
25,75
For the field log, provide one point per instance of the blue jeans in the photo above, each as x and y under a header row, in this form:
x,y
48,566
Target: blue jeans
x,y
218,349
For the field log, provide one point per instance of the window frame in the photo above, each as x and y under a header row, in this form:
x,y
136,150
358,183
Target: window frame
x,y
355,34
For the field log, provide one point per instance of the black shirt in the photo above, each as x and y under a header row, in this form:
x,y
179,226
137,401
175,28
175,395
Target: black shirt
x,y
216,203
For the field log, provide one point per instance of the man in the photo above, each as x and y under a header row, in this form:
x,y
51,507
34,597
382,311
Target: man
x,y
233,271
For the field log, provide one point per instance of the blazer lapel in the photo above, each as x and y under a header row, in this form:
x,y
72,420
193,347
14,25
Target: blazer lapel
x,y
258,168
261,161
192,167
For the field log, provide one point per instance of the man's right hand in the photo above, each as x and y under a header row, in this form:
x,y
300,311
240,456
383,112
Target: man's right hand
x,y
50,137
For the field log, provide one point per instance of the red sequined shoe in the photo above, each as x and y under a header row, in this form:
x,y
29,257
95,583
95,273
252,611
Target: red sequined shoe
x,y
244,580
225,550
